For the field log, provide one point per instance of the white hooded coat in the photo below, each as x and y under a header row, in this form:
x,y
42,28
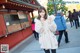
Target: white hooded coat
x,y
47,39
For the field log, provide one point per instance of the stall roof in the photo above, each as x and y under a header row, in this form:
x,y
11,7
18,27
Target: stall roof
x,y
28,5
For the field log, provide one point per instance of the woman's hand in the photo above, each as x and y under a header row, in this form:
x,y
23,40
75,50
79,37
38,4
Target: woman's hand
x,y
49,20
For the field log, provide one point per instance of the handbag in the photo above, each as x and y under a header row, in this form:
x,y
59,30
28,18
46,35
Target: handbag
x,y
56,32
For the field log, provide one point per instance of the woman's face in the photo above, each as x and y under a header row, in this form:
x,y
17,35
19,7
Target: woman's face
x,y
42,13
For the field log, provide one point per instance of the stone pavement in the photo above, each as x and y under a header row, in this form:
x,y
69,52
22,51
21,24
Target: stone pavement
x,y
32,46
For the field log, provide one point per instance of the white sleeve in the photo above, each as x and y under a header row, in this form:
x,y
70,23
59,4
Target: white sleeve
x,y
52,17
53,26
38,27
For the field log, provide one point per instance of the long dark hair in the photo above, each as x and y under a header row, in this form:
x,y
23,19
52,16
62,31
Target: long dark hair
x,y
40,10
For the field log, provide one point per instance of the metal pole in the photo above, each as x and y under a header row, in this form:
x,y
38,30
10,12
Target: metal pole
x,y
54,6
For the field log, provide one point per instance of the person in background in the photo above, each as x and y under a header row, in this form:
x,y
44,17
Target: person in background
x,y
75,17
45,27
79,13
61,27
36,35
70,18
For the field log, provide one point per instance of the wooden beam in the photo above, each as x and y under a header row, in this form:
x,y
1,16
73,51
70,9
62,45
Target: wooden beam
x,y
2,1
14,7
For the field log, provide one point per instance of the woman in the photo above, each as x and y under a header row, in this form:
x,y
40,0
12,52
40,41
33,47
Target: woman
x,y
70,18
61,27
45,27
33,29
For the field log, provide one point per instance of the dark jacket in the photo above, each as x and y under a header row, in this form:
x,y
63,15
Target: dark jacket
x,y
79,13
75,15
70,17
